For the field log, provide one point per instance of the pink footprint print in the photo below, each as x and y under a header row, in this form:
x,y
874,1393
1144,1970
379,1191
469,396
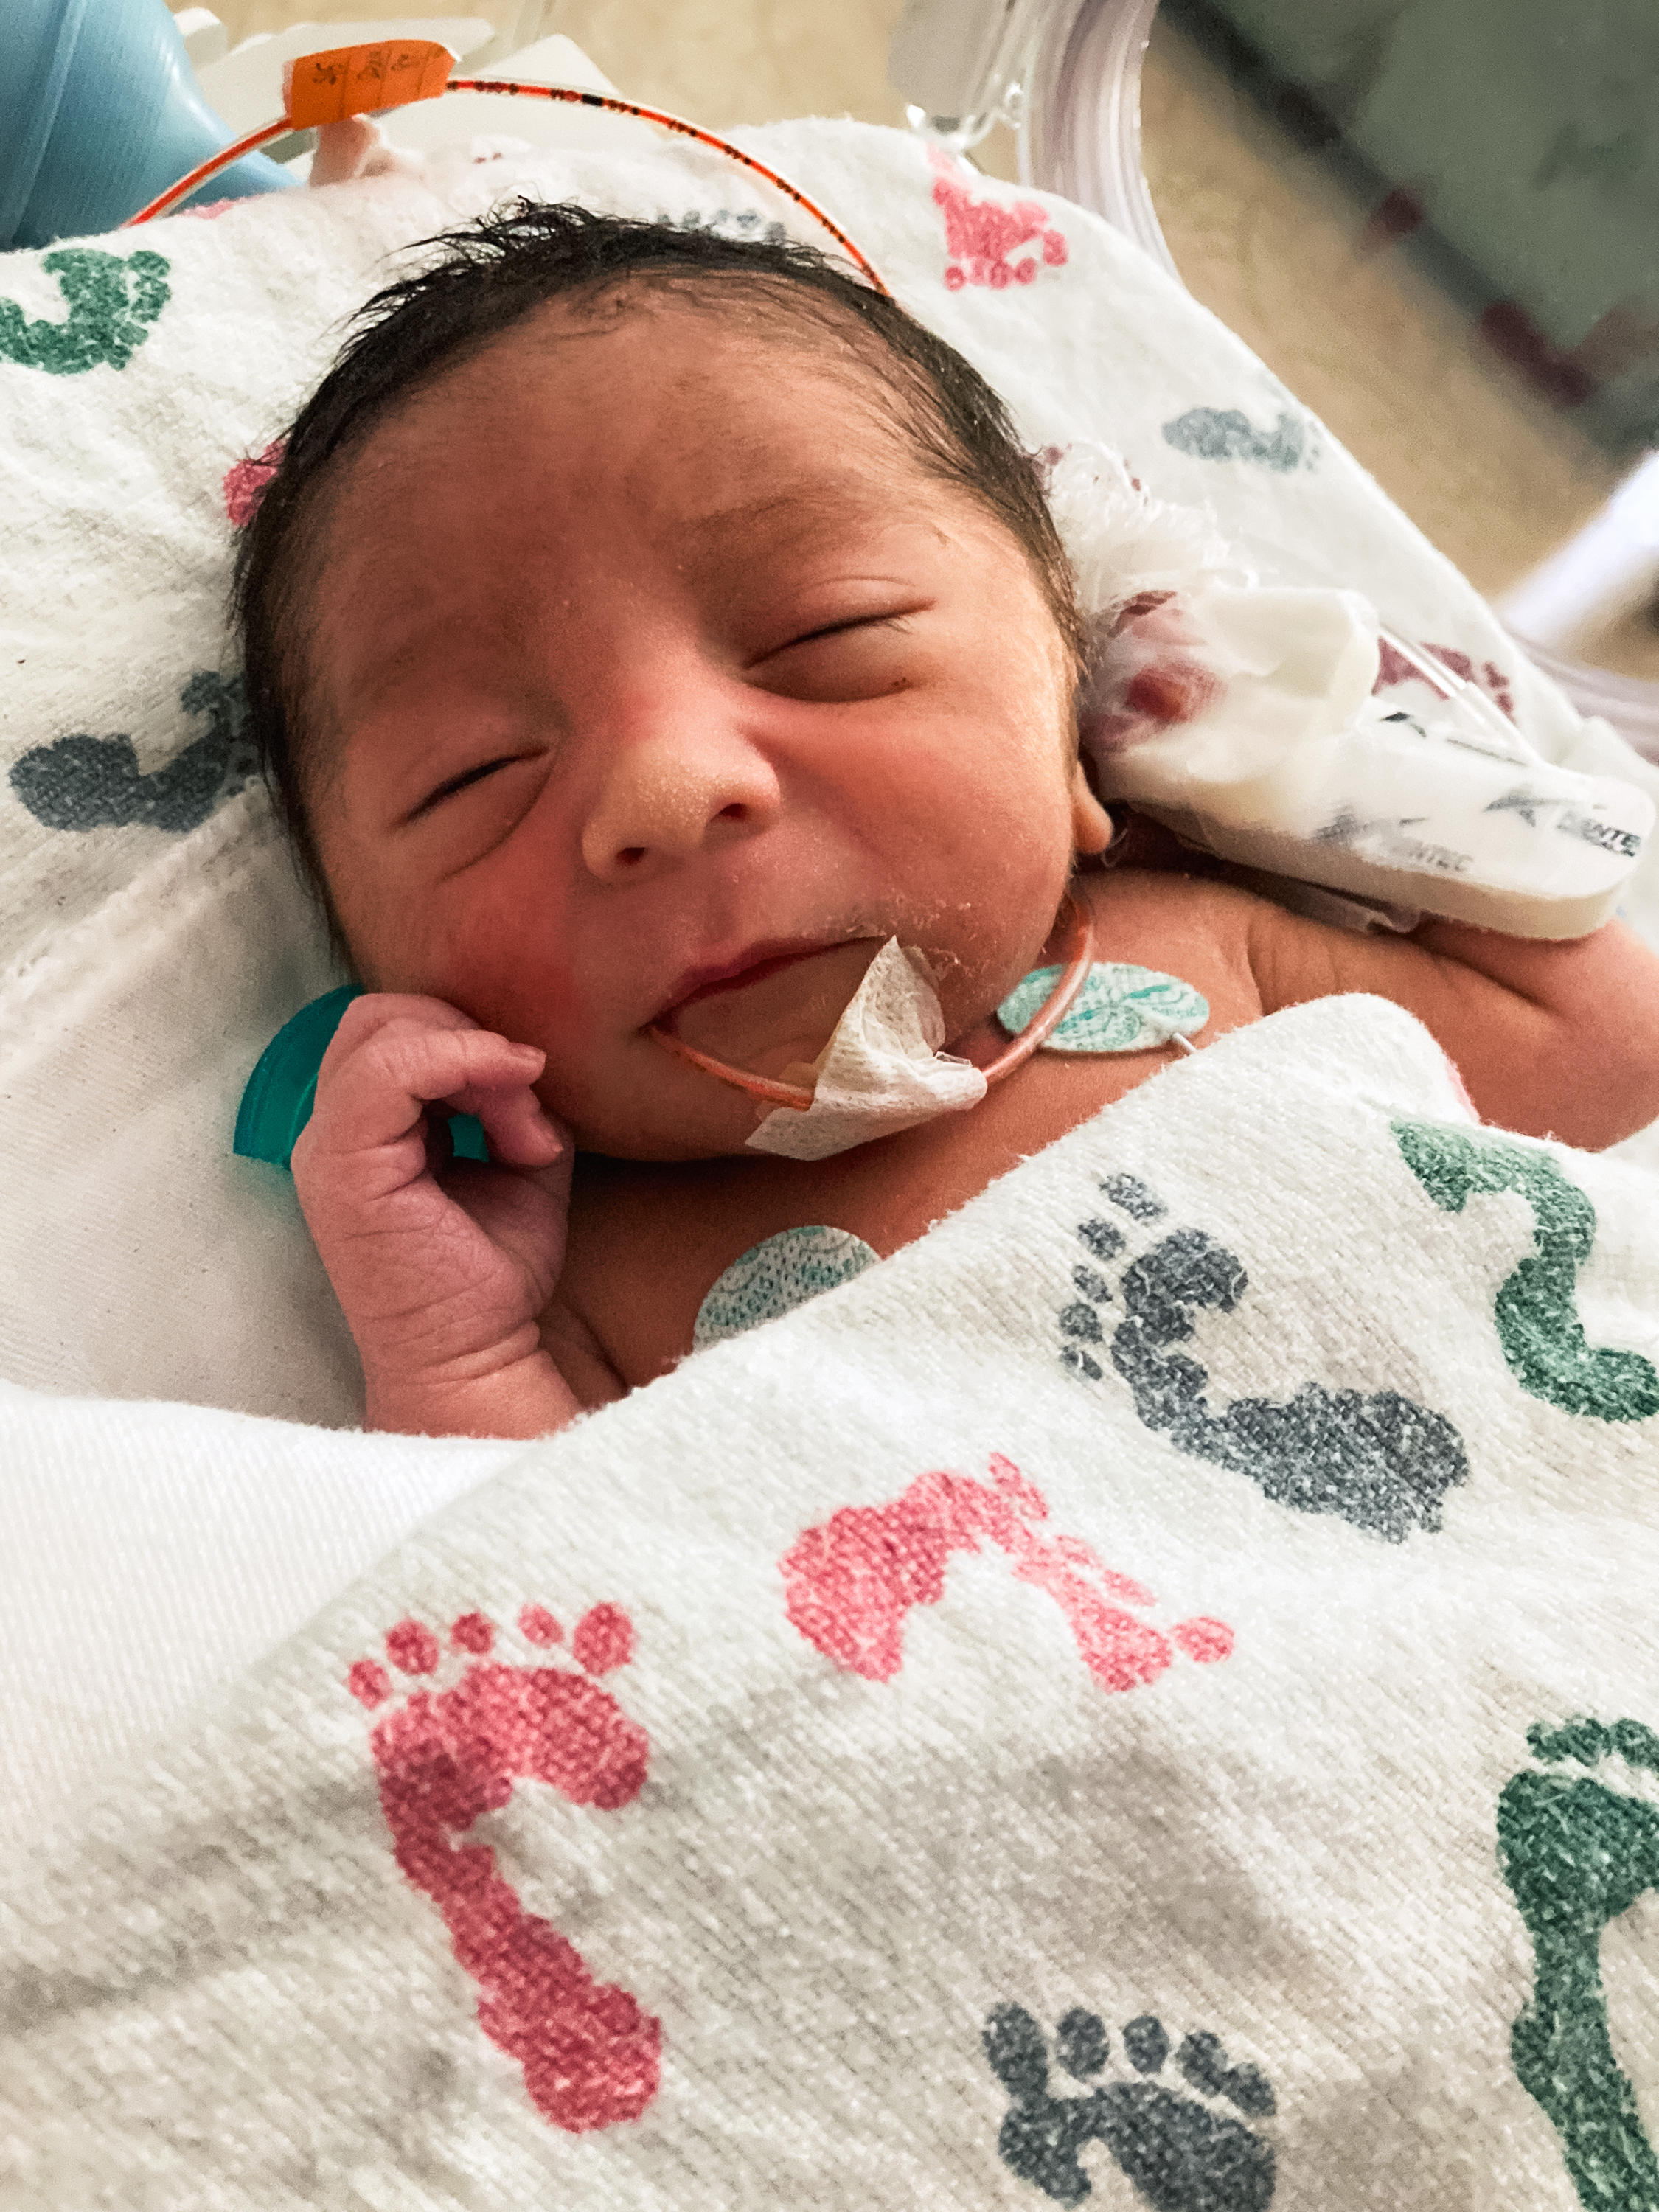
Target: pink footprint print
x,y
981,235
245,483
850,1581
590,2055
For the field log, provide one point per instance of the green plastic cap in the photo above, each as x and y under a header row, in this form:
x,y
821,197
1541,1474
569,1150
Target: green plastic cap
x,y
283,1088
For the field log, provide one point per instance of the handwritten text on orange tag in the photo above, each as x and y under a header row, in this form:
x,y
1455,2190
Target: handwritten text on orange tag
x,y
358,80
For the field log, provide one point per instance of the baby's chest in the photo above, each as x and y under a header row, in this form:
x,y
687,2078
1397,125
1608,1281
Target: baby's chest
x,y
666,1258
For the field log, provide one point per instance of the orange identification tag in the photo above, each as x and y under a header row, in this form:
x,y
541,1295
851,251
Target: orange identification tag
x,y
357,80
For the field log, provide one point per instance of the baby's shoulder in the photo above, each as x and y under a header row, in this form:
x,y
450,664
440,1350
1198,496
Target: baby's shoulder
x,y
1163,909
1187,926
1166,892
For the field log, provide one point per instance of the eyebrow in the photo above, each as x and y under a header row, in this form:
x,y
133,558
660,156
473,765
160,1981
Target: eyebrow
x,y
813,499
810,501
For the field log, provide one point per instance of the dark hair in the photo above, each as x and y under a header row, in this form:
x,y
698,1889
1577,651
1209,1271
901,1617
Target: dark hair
x,y
490,276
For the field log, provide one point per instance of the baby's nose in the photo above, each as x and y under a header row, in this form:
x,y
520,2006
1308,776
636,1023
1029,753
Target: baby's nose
x,y
669,797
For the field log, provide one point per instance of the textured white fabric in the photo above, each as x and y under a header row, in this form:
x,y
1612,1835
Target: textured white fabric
x,y
138,1257
975,1710
152,1552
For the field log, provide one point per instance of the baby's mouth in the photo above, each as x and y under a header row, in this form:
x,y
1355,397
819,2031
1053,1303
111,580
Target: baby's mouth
x,y
775,1015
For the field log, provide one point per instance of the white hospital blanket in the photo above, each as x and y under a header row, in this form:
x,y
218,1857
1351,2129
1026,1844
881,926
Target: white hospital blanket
x,y
1152,1690
153,1552
1113,1724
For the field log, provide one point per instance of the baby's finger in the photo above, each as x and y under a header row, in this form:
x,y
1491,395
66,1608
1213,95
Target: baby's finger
x,y
379,1092
521,1132
377,1009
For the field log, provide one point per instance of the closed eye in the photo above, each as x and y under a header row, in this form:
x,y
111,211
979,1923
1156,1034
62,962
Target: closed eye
x,y
459,783
888,621
864,656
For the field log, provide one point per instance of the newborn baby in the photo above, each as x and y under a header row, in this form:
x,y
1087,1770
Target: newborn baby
x,y
643,630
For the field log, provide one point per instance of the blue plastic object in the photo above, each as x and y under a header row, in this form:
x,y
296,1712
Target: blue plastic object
x,y
100,110
283,1088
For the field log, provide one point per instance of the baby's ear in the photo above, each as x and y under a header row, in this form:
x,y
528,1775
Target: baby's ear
x,y
1092,825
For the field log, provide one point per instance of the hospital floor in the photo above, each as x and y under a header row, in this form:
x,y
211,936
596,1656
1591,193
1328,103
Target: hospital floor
x,y
1493,475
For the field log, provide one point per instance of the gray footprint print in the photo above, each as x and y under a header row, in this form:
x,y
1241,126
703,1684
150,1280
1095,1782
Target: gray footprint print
x,y
1227,434
1380,1460
85,782
1180,2152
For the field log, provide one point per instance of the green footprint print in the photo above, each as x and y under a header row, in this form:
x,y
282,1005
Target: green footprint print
x,y
111,303
1575,1854
1536,1310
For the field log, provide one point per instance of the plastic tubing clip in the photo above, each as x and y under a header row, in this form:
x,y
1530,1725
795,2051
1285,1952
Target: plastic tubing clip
x,y
367,79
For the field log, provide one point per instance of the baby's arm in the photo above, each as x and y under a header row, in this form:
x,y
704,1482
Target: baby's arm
x,y
1551,1039
443,1275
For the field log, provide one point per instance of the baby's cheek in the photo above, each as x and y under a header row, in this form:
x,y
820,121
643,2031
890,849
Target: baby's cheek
x,y
546,1006
524,994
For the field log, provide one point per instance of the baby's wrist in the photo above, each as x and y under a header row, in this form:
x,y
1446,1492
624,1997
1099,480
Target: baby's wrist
x,y
512,1394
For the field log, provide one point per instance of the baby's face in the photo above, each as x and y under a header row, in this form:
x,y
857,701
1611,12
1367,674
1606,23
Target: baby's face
x,y
655,681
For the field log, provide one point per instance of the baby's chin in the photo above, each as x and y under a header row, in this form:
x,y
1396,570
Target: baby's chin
x,y
648,1104
683,1116
775,1028
624,1140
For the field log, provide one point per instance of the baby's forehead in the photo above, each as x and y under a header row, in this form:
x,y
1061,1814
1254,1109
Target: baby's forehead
x,y
681,313
687,469
686,413
735,362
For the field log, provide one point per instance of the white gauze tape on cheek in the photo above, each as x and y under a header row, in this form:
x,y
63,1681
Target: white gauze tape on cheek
x,y
881,1070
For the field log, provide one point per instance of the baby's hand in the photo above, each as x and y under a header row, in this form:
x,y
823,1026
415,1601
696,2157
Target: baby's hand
x,y
443,1268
